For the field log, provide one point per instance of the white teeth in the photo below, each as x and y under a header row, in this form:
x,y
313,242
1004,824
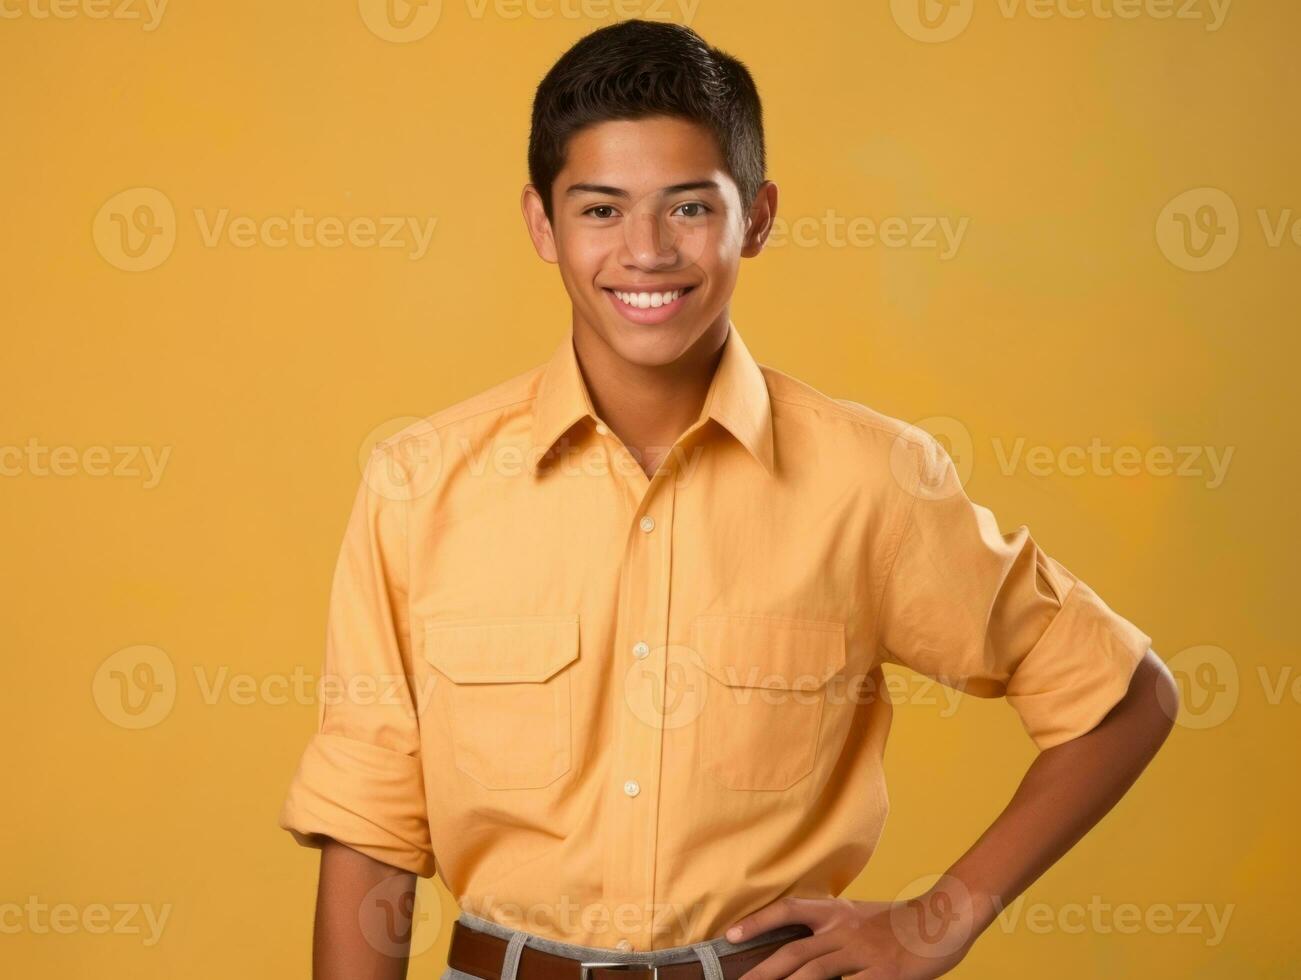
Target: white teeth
x,y
646,301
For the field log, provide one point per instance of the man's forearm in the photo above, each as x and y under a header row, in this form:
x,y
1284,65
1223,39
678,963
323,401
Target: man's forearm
x,y
363,917
1066,790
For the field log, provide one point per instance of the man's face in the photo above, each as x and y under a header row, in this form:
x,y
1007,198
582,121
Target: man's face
x,y
648,232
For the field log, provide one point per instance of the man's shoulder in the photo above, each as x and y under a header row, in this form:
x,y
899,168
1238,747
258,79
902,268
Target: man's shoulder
x,y
514,394
790,395
849,437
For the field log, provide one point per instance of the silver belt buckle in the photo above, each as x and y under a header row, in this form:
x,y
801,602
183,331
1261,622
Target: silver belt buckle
x,y
586,965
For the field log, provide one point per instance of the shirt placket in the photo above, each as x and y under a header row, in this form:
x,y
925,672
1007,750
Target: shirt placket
x,y
641,635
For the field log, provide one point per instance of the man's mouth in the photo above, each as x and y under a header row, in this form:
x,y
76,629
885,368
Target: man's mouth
x,y
649,301
648,306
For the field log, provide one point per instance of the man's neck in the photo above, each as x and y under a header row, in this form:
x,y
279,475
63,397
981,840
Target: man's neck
x,y
649,408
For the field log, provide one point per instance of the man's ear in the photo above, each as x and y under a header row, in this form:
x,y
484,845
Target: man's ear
x,y
763,212
535,218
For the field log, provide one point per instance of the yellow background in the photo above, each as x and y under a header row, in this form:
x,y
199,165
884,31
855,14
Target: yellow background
x,y
267,370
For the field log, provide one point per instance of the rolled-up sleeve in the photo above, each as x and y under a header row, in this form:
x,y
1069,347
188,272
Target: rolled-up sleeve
x,y
992,615
359,779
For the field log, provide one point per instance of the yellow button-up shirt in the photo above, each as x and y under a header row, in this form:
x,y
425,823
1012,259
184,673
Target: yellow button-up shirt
x,y
624,711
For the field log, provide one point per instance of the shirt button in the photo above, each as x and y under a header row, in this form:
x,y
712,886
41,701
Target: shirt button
x,y
640,650
623,945
602,429
647,524
631,787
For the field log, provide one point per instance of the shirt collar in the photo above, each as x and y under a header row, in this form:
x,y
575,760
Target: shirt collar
x,y
737,399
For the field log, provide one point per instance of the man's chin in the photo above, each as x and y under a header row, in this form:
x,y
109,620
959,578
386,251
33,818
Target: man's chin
x,y
649,345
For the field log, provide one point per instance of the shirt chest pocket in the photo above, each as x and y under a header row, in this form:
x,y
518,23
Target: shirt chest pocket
x,y
507,695
765,693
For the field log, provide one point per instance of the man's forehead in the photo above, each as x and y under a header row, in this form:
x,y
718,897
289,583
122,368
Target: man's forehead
x,y
643,155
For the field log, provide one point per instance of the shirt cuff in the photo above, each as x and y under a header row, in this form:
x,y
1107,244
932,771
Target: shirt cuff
x,y
1077,671
364,796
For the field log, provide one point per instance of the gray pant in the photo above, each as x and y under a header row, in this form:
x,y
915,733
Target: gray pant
x,y
707,952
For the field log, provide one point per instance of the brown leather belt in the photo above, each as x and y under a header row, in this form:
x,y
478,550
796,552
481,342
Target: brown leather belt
x,y
481,954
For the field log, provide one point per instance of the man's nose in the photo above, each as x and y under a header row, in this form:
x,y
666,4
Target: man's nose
x,y
651,242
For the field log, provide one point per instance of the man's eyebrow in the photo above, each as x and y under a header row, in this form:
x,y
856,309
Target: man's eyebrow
x,y
607,191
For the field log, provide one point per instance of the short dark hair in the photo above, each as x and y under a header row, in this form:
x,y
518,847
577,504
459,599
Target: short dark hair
x,y
640,68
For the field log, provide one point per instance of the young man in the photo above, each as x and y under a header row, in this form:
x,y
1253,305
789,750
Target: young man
x,y
610,634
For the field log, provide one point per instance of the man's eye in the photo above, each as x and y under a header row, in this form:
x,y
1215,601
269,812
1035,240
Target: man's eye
x,y
606,211
694,209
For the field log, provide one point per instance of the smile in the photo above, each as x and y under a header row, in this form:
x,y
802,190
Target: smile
x,y
648,307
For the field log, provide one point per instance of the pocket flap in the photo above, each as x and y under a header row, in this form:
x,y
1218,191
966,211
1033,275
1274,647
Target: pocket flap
x,y
501,649
769,651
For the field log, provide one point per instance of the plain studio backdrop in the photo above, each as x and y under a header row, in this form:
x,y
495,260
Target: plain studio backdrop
x,y
244,240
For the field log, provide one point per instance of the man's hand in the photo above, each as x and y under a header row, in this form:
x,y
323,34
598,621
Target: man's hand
x,y
1068,788
917,939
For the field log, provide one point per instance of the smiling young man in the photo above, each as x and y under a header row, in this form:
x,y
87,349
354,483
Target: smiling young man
x,y
633,605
